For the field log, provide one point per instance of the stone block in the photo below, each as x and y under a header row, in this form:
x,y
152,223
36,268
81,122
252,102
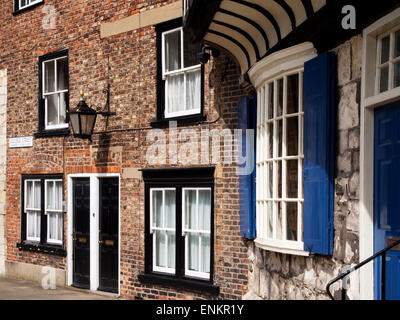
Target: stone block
x,y
348,107
344,64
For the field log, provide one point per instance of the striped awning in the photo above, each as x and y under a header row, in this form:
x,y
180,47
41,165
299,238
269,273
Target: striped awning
x,y
248,29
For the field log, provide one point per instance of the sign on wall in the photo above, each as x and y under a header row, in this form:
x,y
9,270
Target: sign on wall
x,y
21,142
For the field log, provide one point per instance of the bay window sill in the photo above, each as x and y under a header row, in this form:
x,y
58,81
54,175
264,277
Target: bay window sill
x,y
187,284
285,247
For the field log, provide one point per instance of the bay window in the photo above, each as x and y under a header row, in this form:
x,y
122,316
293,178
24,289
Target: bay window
x,y
280,157
295,133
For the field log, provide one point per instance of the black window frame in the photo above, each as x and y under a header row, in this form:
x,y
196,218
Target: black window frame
x,y
161,120
178,178
29,7
42,245
42,131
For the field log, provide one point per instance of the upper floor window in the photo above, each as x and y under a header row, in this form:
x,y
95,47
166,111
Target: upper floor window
x,y
180,74
388,62
54,93
24,4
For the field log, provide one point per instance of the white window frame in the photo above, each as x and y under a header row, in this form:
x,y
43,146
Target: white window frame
x,y
279,65
390,63
166,230
186,232
31,3
57,92
183,71
57,212
31,210
262,174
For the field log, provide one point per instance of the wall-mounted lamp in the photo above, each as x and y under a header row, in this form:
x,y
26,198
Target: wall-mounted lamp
x,y
204,56
83,117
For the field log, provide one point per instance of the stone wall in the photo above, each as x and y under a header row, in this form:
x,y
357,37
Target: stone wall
x,y
279,276
3,151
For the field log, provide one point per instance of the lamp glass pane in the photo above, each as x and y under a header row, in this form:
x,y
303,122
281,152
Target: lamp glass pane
x,y
75,123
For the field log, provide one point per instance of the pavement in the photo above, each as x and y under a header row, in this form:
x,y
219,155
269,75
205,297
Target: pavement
x,y
12,289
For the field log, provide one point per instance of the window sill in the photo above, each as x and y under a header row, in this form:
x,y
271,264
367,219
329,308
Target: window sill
x,y
181,121
187,284
55,250
27,8
52,133
281,247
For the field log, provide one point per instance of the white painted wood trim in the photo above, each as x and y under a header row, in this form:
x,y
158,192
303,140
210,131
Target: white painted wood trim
x,y
94,227
368,103
283,61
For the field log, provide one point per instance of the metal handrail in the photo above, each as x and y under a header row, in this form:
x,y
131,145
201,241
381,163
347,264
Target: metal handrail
x,y
358,266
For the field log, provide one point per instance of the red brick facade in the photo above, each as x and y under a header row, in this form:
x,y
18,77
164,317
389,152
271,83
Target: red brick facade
x,y
119,144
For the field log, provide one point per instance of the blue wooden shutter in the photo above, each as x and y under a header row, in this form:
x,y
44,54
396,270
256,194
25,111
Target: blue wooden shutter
x,y
319,138
247,120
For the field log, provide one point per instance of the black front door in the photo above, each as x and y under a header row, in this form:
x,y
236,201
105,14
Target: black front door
x,y
108,234
81,233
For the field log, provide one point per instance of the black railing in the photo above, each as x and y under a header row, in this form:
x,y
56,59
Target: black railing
x,y
344,276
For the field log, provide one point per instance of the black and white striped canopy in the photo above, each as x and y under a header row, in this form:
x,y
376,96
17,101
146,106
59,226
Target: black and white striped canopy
x,y
249,28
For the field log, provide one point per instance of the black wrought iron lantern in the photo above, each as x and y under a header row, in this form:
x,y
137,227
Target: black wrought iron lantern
x,y
83,119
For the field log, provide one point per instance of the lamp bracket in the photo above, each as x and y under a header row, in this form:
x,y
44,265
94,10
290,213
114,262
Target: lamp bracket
x,y
107,111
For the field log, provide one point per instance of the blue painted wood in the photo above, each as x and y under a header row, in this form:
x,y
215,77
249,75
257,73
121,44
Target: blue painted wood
x,y
319,157
247,120
386,195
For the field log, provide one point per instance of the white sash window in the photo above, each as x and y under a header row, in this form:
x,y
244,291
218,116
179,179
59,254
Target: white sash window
x,y
55,91
54,211
181,71
32,209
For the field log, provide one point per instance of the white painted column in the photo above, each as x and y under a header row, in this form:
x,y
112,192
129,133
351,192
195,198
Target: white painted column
x,y
94,232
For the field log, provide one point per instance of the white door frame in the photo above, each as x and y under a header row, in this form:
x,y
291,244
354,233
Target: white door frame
x,y
94,227
370,101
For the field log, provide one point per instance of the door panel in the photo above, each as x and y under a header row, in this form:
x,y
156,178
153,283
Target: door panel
x,y
81,233
108,234
386,196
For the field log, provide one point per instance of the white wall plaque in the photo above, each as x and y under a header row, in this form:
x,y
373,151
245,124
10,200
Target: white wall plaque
x,y
21,142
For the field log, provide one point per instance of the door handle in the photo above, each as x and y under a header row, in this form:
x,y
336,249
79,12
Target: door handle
x,y
101,242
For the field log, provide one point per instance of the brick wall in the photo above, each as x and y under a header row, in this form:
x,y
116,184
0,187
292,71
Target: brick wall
x,y
119,144
3,150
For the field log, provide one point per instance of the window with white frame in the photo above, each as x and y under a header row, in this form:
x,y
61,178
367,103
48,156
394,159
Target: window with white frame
x,y
197,231
32,209
163,216
181,73
23,4
279,178
54,211
55,92
179,219
388,61
43,212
